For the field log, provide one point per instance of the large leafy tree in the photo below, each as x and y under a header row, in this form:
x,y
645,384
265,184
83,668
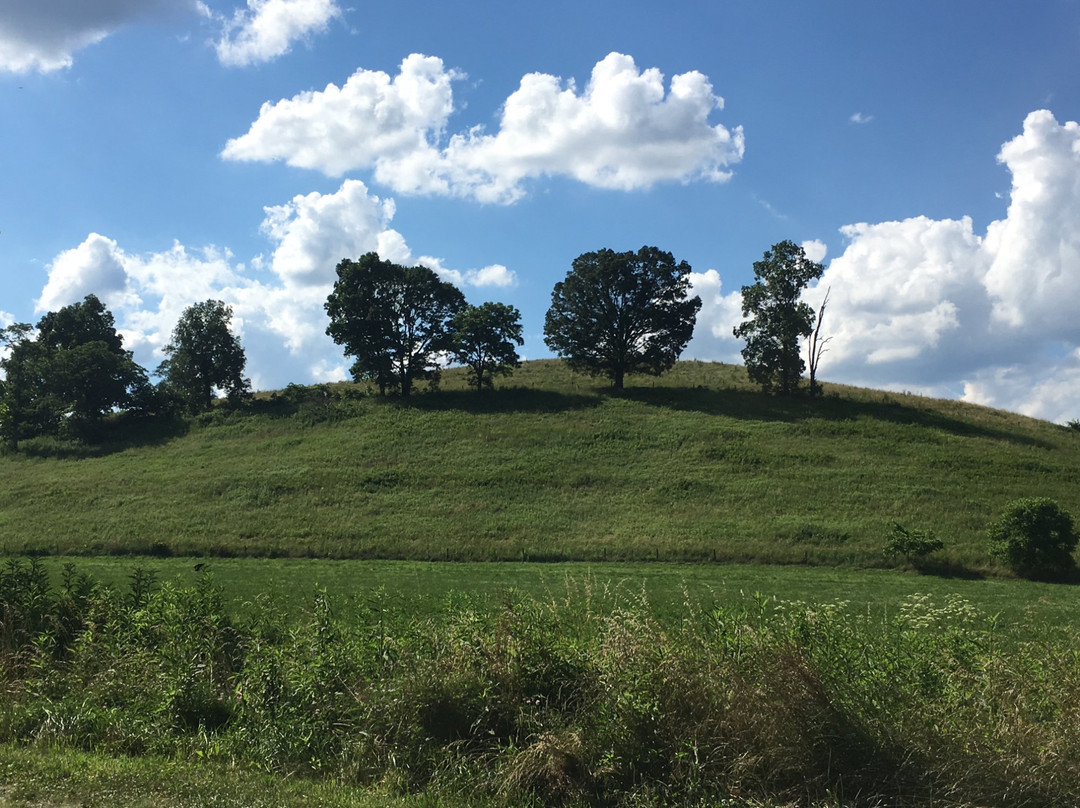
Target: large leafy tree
x,y
67,373
778,319
619,313
393,320
204,355
485,337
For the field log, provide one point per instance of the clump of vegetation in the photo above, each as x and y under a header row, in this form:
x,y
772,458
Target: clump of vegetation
x,y
590,701
1035,537
913,545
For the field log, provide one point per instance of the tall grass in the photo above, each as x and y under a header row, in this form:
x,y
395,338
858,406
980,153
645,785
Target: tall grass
x,y
587,699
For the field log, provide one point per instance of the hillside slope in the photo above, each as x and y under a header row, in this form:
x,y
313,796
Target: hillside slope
x,y
695,465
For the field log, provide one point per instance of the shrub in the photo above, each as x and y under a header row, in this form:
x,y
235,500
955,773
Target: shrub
x,y
1035,537
911,544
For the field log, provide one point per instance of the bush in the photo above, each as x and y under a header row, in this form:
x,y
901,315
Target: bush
x,y
1035,537
911,544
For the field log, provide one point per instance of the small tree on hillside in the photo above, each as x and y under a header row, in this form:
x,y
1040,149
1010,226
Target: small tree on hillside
x,y
394,320
913,545
484,339
205,355
778,319
1035,537
619,313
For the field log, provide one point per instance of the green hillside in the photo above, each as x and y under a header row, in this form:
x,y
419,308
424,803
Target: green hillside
x,y
695,465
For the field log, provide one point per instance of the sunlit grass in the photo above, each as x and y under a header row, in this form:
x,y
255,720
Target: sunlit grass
x,y
695,465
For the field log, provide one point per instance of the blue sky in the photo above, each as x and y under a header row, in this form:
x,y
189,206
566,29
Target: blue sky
x,y
162,152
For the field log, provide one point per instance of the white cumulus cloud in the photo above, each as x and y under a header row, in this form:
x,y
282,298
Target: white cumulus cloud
x,y
44,35
815,250
625,130
719,315
1034,275
373,119
267,29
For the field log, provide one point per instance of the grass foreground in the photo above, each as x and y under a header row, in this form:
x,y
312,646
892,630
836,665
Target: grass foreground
x,y
588,699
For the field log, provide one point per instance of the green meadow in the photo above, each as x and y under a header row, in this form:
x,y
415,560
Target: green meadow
x,y
694,466
427,588
548,594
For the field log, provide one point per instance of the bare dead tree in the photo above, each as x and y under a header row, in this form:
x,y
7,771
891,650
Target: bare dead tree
x,y
816,346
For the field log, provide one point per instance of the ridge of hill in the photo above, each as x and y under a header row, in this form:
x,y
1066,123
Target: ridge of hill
x,y
695,465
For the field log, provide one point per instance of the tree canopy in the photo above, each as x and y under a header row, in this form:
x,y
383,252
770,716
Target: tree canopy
x,y
393,320
485,337
204,354
778,318
619,313
65,374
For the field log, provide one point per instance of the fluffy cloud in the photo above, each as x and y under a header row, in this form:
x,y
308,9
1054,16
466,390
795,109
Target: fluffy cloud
x,y
266,29
719,315
277,300
1034,275
905,299
932,306
371,121
44,35
314,232
624,131
815,250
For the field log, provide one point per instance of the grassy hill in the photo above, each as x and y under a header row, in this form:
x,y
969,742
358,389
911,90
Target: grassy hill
x,y
695,465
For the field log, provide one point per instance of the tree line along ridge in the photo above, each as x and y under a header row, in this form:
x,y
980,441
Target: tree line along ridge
x,y
614,314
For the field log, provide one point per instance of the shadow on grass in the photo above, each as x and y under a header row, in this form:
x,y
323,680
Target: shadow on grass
x,y
752,405
942,568
509,399
118,434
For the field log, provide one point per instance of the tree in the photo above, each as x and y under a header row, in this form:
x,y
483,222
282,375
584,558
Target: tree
x,y
484,339
619,313
1035,537
816,346
779,320
204,354
394,320
67,373
913,545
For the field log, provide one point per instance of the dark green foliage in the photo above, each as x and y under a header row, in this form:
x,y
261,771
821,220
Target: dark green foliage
x,y
620,313
485,337
393,320
1035,537
778,319
911,544
204,354
65,375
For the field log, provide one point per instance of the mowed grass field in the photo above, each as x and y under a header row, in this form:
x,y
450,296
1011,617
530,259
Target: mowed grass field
x,y
671,592
693,466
